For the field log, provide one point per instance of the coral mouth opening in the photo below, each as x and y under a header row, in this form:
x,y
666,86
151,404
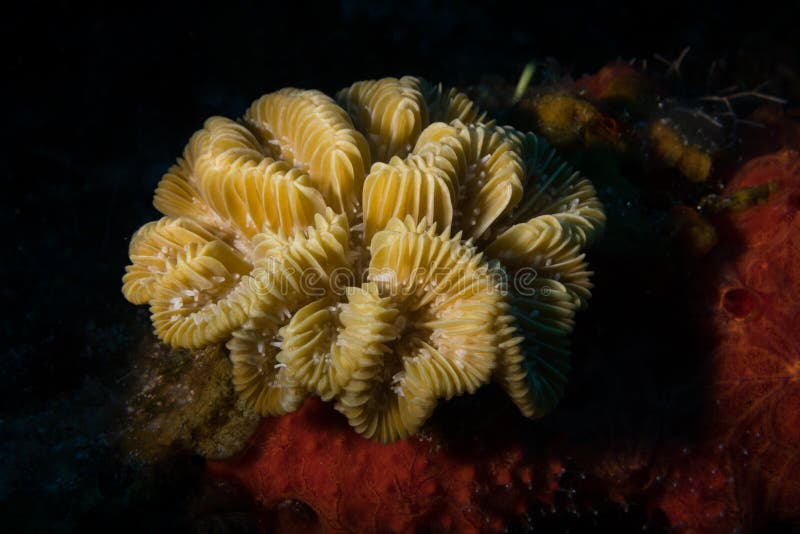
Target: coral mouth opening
x,y
410,336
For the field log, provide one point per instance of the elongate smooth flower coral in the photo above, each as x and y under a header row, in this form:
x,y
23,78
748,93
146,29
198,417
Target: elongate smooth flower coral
x,y
382,255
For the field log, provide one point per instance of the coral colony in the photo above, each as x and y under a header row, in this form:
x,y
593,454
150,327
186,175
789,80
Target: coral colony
x,y
381,251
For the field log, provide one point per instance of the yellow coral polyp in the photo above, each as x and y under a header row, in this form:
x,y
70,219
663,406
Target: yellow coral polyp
x,y
312,133
204,295
259,378
151,249
228,181
486,165
308,263
553,187
309,346
549,247
382,255
391,111
421,192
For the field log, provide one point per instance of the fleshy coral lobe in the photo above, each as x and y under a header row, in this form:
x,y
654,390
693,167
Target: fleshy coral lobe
x,y
360,253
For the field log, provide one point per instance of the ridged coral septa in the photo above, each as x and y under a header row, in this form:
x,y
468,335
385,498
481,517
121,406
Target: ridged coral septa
x,y
151,249
261,380
310,132
422,193
456,257
534,357
448,299
205,294
554,187
391,112
307,263
377,399
310,345
549,249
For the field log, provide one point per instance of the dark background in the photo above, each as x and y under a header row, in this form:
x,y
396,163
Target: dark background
x,y
99,102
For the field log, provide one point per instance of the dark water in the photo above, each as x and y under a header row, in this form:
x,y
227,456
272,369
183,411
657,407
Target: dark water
x,y
100,102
